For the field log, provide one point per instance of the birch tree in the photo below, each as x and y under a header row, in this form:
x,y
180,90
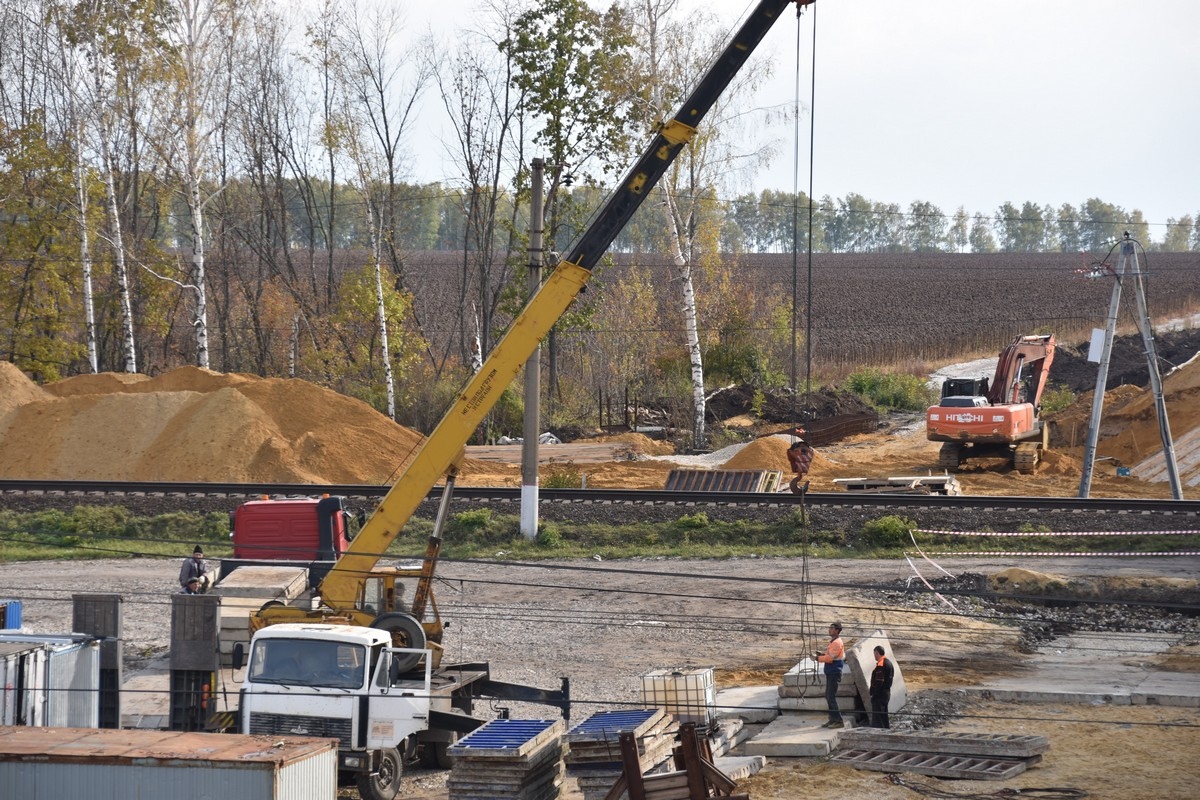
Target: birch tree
x,y
199,51
383,87
484,108
111,36
674,53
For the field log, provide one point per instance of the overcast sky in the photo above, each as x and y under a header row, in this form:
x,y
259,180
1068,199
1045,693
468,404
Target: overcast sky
x,y
971,103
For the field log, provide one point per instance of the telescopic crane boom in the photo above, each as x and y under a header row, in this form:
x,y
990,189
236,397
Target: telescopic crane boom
x,y
342,590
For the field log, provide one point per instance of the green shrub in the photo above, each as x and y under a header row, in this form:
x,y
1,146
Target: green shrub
x,y
1056,398
549,536
560,476
692,521
888,531
475,519
891,390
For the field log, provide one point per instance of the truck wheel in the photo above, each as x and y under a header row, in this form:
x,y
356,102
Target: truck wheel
x,y
410,632
385,783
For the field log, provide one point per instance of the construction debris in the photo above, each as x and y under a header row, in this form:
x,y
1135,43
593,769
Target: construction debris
x,y
595,757
695,777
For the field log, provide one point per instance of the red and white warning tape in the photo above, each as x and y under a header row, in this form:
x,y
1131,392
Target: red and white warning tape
x,y
1060,533
1041,555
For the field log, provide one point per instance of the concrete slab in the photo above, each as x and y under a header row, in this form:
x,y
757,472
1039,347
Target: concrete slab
x,y
793,736
738,768
861,659
1122,676
267,583
794,704
749,703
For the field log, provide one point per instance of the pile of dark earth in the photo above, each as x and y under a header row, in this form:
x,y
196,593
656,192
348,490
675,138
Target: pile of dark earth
x,y
1058,609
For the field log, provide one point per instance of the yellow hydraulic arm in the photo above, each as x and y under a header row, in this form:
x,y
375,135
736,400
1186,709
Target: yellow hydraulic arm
x,y
341,587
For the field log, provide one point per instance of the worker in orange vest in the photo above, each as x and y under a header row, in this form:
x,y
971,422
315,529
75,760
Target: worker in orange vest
x,y
834,658
799,456
881,689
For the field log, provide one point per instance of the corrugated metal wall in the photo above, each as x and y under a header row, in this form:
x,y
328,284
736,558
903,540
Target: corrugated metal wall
x,y
310,778
73,683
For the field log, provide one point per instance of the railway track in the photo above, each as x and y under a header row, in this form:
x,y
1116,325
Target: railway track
x,y
881,502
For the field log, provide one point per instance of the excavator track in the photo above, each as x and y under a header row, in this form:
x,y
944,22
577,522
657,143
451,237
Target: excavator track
x,y
1026,456
949,455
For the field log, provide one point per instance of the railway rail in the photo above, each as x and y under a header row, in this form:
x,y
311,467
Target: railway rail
x,y
830,500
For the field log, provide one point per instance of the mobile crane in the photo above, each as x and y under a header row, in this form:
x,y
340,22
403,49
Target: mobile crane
x,y
359,594
976,420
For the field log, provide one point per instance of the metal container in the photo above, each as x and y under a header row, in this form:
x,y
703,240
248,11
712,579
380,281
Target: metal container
x,y
22,671
60,683
10,614
102,764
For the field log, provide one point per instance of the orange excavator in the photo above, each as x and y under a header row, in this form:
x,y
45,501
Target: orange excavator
x,y
975,420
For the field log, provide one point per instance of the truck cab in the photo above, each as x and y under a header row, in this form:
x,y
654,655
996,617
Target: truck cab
x,y
294,529
341,682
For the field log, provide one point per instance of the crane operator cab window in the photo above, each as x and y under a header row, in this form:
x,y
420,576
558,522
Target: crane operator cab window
x,y
376,598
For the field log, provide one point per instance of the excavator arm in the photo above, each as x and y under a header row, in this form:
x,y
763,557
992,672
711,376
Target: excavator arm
x,y
1022,371
440,452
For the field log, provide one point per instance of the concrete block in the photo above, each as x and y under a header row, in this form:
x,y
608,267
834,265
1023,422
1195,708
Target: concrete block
x,y
793,736
750,703
861,659
738,768
846,688
791,704
266,583
811,673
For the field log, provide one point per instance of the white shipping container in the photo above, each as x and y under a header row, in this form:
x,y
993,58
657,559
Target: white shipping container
x,y
60,680
102,764
22,683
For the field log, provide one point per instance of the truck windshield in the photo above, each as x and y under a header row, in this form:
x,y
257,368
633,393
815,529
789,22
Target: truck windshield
x,y
308,662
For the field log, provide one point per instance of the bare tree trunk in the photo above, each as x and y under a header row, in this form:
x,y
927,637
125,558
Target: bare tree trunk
x,y
683,273
114,221
200,321
85,257
389,379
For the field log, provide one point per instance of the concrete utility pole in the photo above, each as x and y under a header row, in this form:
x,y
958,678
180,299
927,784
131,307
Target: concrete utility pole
x,y
1129,258
533,386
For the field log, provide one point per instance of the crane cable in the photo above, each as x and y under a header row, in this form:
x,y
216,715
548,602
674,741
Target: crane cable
x,y
809,641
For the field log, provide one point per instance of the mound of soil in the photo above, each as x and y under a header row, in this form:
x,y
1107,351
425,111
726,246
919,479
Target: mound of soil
x,y
780,406
1127,364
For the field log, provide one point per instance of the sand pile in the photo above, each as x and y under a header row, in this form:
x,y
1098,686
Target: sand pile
x,y
16,389
194,425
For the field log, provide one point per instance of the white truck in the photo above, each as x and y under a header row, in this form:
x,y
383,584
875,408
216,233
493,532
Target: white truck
x,y
347,682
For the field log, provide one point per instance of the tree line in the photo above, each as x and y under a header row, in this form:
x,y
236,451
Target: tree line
x,y
223,184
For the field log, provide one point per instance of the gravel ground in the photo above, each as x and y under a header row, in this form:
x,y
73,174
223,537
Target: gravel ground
x,y
604,624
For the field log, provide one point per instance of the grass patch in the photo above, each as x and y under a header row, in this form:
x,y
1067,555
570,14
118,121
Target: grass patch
x,y
89,532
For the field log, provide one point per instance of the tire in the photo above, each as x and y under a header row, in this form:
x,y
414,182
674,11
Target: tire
x,y
270,604
385,783
410,633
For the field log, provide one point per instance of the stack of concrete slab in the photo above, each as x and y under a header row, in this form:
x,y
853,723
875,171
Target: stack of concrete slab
x,y
244,591
803,688
966,756
509,759
594,759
